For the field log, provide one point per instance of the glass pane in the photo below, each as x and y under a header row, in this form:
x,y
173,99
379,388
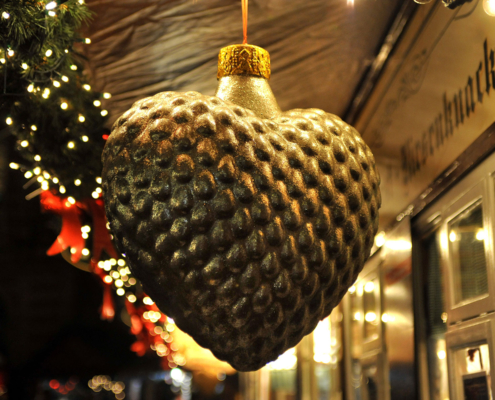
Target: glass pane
x,y
472,367
467,254
283,376
356,325
365,381
436,317
371,319
328,353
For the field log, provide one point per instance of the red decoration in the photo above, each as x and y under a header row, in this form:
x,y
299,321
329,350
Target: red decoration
x,y
70,235
101,237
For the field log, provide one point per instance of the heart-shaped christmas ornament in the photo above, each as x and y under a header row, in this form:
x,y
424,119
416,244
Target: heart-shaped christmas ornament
x,y
245,224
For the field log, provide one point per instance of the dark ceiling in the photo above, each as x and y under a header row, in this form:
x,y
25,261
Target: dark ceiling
x,y
320,49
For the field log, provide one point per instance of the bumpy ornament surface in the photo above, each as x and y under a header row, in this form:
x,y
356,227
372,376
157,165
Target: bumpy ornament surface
x,y
246,231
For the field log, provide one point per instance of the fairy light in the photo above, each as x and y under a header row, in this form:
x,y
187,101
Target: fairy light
x,y
71,145
51,5
65,78
86,229
77,182
28,175
131,298
24,143
120,262
98,180
132,281
56,83
85,252
81,118
104,113
95,195
2,60
9,121
106,95
86,87
48,53
73,67
108,279
46,175
61,189
71,200
44,185
14,165
120,292
37,171
119,283
10,52
87,40
30,88
85,138
97,103
98,190
64,106
34,128
5,15
55,179
52,13
147,300
46,93
24,66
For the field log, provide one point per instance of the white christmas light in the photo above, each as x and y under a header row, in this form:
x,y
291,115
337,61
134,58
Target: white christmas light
x,y
120,292
87,40
97,103
14,165
71,200
30,88
95,195
85,252
61,189
98,180
73,67
81,118
86,86
2,60
107,95
48,53
52,13
28,175
56,83
9,121
24,143
55,180
5,15
10,52
51,5
77,182
64,106
85,138
37,171
65,79
24,66
44,185
46,175
34,128
46,93
70,145
104,113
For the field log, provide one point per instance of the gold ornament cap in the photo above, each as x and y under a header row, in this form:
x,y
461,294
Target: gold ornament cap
x,y
244,59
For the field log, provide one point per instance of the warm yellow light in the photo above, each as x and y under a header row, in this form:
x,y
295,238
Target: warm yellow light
x,y
480,235
97,103
85,235
77,182
370,317
9,121
95,195
40,179
98,180
30,88
87,40
28,175
85,252
24,143
489,7
104,113
71,145
65,79
2,60
37,171
131,298
73,67
5,15
48,53
132,281
34,128
71,200
107,95
56,83
369,287
452,236
46,175
380,239
55,180
441,354
120,292
108,279
10,52
357,316
46,93
81,118
119,283
61,189
64,106
86,86
14,165
147,300
51,5
121,262
85,138
52,13
37,157
24,66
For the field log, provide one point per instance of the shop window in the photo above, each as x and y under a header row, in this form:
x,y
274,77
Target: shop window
x,y
283,376
466,235
370,304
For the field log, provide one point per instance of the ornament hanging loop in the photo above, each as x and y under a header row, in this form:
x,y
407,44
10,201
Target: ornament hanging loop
x,y
245,20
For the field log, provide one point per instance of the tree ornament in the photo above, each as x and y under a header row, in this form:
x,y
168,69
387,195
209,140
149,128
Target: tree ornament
x,y
245,224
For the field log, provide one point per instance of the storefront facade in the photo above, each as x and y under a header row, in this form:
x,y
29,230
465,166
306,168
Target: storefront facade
x,y
419,323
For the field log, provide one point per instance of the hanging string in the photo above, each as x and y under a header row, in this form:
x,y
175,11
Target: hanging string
x,y
245,19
